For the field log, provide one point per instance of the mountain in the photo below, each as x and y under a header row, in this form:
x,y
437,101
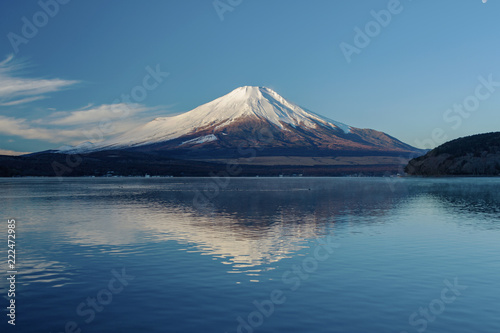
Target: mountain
x,y
245,108
477,155
249,117
253,127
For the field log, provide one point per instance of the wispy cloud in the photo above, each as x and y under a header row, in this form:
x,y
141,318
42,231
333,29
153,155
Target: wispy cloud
x,y
72,127
24,129
15,89
12,152
63,127
22,101
99,113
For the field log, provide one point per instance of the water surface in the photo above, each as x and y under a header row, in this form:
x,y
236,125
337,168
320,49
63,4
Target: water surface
x,y
198,255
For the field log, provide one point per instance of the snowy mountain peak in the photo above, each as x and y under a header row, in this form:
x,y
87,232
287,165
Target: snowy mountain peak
x,y
243,103
263,103
250,92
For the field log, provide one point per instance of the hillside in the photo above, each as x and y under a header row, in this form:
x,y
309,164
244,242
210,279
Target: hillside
x,y
128,163
477,155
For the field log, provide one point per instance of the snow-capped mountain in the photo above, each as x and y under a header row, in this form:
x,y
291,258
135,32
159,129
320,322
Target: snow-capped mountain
x,y
246,117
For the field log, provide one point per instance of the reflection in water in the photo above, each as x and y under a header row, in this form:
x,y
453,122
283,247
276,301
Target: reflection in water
x,y
250,223
400,238
477,201
57,274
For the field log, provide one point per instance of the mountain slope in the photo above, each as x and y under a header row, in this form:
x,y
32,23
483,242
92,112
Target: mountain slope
x,y
249,117
247,104
475,155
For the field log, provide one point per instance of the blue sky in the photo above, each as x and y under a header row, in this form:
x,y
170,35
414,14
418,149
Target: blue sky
x,y
62,83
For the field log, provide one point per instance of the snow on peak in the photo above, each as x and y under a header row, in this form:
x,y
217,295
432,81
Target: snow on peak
x,y
260,102
201,139
249,92
263,103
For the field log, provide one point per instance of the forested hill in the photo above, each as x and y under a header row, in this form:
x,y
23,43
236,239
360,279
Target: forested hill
x,y
476,155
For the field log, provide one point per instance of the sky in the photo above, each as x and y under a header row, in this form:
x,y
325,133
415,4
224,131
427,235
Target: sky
x,y
71,71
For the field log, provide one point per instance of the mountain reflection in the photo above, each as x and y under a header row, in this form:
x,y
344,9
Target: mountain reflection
x,y
250,223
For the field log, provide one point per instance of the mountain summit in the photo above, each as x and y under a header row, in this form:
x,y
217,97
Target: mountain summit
x,y
250,117
244,104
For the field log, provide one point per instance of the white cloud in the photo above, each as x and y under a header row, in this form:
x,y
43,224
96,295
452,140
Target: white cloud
x,y
62,127
22,101
67,127
73,127
11,152
15,89
23,128
100,113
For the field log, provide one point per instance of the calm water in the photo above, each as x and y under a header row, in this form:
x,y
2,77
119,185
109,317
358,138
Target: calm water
x,y
261,255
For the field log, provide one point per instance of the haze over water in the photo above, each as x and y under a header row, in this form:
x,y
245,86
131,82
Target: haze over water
x,y
266,255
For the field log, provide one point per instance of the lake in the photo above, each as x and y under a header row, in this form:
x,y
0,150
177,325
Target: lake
x,y
253,254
